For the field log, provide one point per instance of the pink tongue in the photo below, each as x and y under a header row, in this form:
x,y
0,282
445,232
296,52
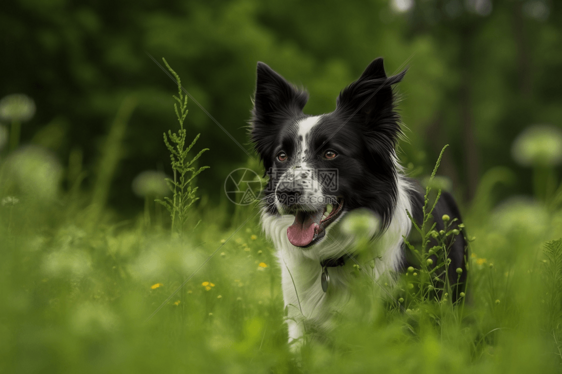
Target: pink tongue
x,y
303,230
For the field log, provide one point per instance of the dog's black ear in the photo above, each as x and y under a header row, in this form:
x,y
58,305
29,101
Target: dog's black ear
x,y
375,70
275,101
369,103
370,99
274,95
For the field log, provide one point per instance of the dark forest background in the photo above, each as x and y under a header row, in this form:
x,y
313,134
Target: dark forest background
x,y
480,72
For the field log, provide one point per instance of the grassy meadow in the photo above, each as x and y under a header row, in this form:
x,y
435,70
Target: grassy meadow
x,y
107,268
84,290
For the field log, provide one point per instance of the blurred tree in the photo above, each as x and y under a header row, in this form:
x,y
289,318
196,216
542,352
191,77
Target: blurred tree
x,y
491,64
480,72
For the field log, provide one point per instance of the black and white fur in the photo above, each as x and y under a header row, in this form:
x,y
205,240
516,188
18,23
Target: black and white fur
x,y
362,131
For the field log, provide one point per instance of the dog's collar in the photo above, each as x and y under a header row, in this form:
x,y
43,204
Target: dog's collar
x,y
335,262
331,263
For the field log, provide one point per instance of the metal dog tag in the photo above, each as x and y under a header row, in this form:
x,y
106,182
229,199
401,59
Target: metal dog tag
x,y
325,279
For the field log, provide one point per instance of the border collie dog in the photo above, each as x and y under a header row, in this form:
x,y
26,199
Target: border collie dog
x,y
321,168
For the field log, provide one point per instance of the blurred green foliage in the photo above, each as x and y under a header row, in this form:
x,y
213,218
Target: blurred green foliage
x,y
88,287
480,72
125,297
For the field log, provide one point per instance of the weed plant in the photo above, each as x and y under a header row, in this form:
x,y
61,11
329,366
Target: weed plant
x,y
430,282
184,169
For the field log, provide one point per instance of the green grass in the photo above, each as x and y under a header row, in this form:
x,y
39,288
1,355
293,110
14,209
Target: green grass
x,y
84,292
77,298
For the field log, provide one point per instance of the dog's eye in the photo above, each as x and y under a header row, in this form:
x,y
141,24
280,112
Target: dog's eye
x,y
330,155
282,157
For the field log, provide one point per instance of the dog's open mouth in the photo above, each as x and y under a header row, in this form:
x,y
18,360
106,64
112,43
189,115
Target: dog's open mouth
x,y
310,226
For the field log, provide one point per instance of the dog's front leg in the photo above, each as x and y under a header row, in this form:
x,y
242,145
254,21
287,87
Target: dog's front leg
x,y
296,333
294,312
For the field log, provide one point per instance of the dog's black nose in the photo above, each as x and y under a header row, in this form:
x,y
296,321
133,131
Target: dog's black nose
x,y
290,195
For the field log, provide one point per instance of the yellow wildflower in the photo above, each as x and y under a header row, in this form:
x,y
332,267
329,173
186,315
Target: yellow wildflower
x,y
223,241
177,302
481,261
208,288
253,237
262,265
157,285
